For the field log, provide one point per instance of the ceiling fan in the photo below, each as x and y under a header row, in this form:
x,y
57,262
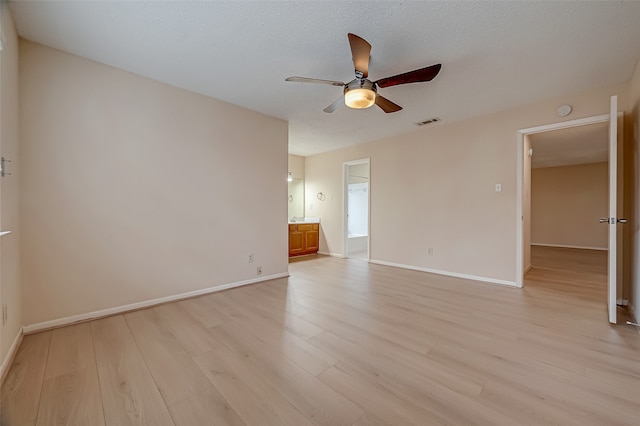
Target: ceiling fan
x,y
361,92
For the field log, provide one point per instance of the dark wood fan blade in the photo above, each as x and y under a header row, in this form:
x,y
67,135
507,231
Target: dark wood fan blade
x,y
360,52
334,106
416,76
315,80
386,105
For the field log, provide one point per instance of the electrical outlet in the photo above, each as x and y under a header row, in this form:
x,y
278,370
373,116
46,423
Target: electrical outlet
x,y
251,258
259,270
430,251
5,314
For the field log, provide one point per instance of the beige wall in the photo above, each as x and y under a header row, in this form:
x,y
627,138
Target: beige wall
x,y
566,203
10,284
632,186
134,190
435,187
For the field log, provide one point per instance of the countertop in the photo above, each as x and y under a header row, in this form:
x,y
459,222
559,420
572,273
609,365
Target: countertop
x,y
305,220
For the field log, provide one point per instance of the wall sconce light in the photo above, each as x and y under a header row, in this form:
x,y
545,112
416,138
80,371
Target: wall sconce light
x,y
289,177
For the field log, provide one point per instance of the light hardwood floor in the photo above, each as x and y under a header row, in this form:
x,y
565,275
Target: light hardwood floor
x,y
344,342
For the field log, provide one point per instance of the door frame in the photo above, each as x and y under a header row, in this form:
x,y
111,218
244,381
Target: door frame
x,y
345,219
520,179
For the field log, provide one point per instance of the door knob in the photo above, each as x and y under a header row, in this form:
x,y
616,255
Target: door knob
x,y
604,220
622,220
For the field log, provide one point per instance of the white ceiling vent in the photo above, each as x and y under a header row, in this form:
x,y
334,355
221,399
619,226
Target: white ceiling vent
x,y
429,121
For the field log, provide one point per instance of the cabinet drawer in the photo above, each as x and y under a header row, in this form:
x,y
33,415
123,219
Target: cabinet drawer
x,y
293,228
308,227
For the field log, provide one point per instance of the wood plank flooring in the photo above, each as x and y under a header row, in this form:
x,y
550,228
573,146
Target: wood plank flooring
x,y
344,342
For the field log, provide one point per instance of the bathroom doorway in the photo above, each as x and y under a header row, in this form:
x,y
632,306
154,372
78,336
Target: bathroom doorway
x,y
357,187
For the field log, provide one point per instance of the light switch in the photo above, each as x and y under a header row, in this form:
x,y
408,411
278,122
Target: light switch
x,y
498,187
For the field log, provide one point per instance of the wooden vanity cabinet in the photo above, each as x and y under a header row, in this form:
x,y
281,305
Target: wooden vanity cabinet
x,y
304,238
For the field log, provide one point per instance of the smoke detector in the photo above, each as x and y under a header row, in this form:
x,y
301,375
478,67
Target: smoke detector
x,y
564,110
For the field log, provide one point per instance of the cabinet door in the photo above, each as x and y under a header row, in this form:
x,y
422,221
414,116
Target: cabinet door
x,y
312,241
296,241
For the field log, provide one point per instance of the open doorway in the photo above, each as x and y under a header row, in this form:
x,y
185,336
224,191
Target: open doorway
x,y
568,188
356,204
615,172
523,207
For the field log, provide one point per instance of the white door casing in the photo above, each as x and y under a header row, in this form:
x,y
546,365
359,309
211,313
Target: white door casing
x,y
604,118
612,220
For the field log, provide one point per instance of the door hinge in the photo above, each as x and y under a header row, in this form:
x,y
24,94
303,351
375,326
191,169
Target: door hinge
x,y
3,167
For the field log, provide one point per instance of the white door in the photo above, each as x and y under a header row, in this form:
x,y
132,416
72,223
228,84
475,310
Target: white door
x,y
612,220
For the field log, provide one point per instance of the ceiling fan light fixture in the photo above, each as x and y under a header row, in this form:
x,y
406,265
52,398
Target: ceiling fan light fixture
x,y
360,93
359,98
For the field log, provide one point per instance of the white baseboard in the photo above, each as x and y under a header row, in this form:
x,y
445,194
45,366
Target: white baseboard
x,y
447,273
60,322
573,247
339,255
8,360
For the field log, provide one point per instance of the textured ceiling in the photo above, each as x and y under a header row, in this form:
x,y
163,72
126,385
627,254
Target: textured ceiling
x,y
495,55
576,145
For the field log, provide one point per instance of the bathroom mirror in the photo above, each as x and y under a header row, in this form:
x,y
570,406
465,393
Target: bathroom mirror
x,y
296,198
